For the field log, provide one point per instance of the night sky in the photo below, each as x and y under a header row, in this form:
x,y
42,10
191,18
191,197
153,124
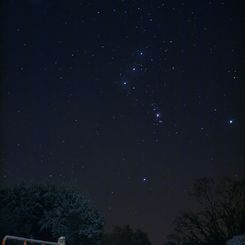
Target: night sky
x,y
129,101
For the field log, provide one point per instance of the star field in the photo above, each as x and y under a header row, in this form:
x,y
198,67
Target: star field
x,y
129,101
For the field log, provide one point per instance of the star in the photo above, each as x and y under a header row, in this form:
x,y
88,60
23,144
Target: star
x,y
128,97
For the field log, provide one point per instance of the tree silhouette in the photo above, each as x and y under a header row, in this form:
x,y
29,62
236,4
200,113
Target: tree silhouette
x,y
221,215
126,236
46,212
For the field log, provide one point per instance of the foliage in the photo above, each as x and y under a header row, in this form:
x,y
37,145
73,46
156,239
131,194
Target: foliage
x,y
46,212
221,216
126,236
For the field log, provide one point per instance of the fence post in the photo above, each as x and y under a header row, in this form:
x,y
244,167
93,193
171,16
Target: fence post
x,y
62,240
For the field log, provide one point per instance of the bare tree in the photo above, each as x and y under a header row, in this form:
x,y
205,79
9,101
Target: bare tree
x,y
221,214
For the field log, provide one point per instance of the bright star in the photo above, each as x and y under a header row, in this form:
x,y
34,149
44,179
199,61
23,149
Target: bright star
x,y
134,69
158,115
231,121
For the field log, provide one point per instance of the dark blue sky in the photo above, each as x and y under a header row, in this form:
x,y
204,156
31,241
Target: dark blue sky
x,y
129,101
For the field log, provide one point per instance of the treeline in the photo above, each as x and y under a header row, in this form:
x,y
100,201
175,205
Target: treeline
x,y
46,212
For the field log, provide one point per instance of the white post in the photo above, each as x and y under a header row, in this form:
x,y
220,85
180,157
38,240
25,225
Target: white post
x,y
62,240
